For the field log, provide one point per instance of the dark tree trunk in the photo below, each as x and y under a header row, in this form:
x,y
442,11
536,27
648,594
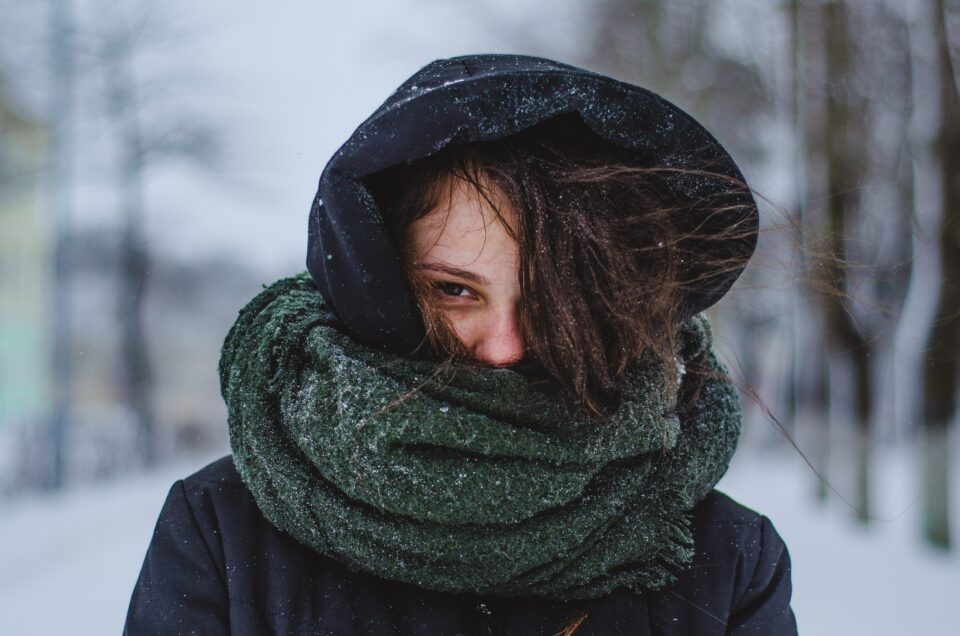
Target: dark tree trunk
x,y
845,138
61,187
940,369
810,376
136,377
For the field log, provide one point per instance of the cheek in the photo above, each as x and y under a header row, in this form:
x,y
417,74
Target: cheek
x,y
465,326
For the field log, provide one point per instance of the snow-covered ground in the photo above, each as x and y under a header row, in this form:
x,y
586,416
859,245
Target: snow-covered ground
x,y
68,562
847,578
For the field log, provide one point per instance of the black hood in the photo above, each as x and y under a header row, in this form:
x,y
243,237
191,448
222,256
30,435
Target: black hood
x,y
481,98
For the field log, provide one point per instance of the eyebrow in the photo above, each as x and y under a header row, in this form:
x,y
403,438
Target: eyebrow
x,y
454,271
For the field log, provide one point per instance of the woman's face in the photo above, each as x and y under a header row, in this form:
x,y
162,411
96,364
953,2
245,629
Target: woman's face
x,y
471,266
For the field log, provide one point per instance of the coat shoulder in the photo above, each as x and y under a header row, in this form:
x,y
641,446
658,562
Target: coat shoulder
x,y
719,508
219,472
731,534
740,573
216,495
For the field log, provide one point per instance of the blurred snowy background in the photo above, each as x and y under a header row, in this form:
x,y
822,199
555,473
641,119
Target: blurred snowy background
x,y
158,159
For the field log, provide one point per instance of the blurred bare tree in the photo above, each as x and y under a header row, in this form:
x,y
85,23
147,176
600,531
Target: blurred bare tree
x,y
122,36
62,159
942,351
854,91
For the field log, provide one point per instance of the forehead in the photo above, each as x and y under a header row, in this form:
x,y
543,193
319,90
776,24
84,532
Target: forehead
x,y
465,226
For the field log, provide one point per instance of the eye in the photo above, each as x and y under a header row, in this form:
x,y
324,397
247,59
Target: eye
x,y
452,289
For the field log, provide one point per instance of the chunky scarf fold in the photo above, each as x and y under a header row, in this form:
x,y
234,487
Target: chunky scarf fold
x,y
461,478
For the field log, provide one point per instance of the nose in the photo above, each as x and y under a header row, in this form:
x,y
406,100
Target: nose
x,y
501,341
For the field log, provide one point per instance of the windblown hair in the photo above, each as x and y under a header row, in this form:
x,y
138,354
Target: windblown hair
x,y
604,253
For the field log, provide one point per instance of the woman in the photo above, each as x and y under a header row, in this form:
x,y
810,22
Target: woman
x,y
493,406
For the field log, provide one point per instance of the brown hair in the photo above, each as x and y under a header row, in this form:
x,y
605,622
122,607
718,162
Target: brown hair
x,y
603,254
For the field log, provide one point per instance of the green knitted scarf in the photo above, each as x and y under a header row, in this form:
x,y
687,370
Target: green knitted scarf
x,y
471,480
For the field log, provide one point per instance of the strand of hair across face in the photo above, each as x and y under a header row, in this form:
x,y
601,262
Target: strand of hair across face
x,y
573,625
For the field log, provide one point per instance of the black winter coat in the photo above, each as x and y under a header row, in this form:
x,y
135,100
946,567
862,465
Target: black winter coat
x,y
216,566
